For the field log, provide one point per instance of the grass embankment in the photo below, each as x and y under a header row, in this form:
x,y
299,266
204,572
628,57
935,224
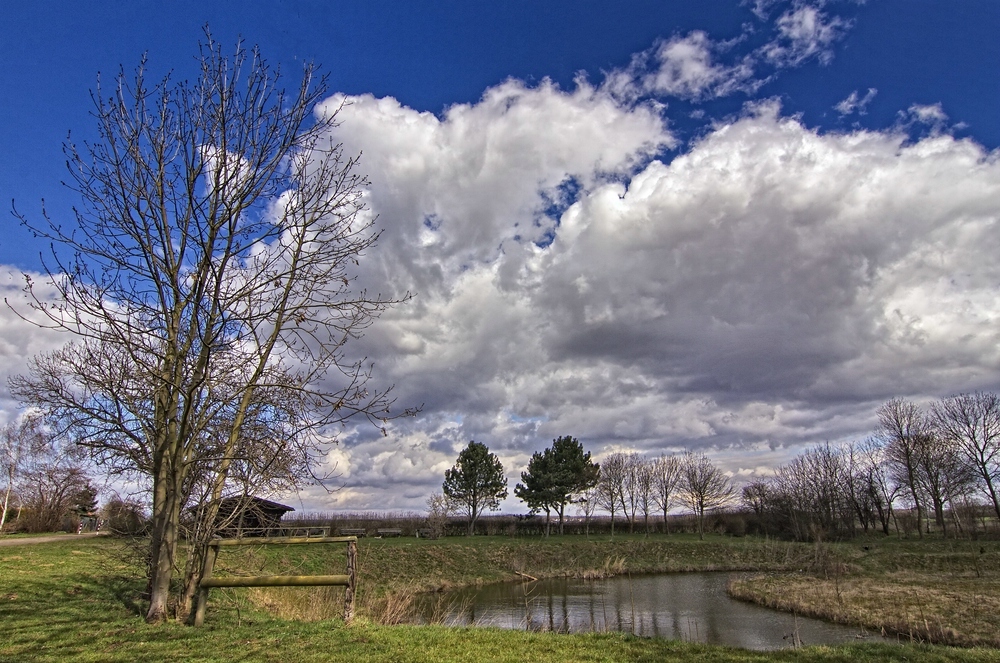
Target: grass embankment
x,y
392,571
945,592
77,601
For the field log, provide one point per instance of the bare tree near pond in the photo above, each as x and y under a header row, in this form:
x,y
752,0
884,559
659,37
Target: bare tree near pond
x,y
944,473
587,505
439,509
666,473
645,485
476,482
704,487
972,423
631,488
621,486
210,267
611,485
902,427
860,485
878,476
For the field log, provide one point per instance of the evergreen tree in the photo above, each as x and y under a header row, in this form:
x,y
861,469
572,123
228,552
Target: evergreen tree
x,y
555,476
477,481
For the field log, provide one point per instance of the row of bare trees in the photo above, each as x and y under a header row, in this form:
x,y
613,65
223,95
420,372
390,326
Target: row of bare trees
x,y
937,464
632,486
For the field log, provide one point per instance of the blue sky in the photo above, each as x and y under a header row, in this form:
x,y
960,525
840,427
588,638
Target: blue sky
x,y
806,208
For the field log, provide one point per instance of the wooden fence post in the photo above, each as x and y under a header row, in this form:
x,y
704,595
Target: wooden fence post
x,y
201,598
352,580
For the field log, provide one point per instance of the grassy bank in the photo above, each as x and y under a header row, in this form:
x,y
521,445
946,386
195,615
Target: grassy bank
x,y
945,592
392,571
77,601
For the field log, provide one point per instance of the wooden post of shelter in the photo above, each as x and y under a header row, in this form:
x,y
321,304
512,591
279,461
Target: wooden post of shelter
x,y
349,580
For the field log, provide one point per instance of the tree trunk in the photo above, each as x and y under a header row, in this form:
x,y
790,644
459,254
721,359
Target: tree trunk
x,y
166,535
194,571
939,517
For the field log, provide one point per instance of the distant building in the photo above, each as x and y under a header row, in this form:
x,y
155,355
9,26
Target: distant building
x,y
249,516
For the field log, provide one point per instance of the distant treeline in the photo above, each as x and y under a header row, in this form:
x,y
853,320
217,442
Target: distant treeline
x,y
513,525
736,521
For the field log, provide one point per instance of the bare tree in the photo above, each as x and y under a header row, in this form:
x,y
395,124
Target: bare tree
x,y
902,426
857,486
587,504
439,509
666,471
704,487
945,475
611,485
972,422
631,488
210,266
19,442
757,495
49,479
52,486
884,489
645,491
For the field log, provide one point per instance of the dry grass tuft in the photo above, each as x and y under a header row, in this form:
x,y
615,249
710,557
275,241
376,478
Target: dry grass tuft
x,y
612,566
306,604
389,609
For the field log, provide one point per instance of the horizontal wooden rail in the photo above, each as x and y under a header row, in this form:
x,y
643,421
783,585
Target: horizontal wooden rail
x,y
275,581
259,541
208,580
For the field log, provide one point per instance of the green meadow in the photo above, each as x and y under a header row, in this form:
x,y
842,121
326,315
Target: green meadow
x,y
82,600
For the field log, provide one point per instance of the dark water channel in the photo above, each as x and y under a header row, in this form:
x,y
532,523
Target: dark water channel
x,y
683,606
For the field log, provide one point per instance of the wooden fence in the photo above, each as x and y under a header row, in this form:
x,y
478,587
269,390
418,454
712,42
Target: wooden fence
x,y
349,580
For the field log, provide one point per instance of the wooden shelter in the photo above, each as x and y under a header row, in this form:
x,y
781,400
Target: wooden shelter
x,y
249,516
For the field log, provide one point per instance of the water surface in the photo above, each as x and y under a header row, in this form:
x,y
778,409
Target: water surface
x,y
683,606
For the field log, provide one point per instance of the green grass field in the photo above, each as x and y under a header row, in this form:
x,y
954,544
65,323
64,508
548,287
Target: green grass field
x,y
79,601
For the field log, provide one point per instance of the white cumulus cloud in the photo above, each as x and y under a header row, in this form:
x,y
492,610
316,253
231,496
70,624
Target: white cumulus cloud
x,y
686,67
804,32
767,288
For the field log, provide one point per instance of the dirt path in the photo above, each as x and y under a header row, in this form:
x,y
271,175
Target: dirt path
x,y
4,541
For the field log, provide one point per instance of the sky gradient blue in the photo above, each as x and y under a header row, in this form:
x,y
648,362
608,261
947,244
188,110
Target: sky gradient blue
x,y
432,55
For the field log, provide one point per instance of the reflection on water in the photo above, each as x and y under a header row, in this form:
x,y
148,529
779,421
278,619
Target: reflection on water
x,y
684,606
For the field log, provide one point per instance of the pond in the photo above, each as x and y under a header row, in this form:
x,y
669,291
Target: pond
x,y
683,606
